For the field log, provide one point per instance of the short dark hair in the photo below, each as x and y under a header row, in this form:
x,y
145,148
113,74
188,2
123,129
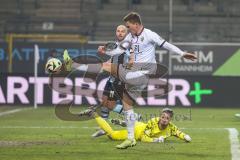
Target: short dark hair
x,y
132,17
168,111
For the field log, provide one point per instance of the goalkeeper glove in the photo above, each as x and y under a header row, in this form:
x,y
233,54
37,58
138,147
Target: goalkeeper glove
x,y
187,138
159,140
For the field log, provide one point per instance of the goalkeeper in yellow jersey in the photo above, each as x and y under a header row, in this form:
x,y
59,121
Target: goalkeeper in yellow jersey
x,y
155,130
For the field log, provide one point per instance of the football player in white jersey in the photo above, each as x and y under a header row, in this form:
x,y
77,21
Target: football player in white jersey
x,y
143,43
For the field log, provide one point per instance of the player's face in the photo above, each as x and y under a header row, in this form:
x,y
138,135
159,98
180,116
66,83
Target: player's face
x,y
121,32
165,119
132,27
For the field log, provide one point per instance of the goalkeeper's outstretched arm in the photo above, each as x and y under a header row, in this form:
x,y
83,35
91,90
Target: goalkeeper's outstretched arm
x,y
178,133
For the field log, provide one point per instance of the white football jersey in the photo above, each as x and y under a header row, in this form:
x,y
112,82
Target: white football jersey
x,y
144,45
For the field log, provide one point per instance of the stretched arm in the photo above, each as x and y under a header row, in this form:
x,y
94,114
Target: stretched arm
x,y
177,50
115,48
163,43
146,138
181,135
172,48
114,51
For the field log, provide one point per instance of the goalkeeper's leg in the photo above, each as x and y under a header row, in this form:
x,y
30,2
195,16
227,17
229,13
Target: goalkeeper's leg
x,y
115,135
105,111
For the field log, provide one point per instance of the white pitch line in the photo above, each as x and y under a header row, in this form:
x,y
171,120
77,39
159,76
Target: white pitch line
x,y
235,147
11,111
86,127
234,142
44,127
204,128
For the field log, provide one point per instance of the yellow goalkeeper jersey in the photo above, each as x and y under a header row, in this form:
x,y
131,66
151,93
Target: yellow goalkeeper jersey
x,y
147,132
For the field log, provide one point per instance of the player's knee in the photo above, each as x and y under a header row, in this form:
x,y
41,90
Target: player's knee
x,y
107,67
111,68
104,101
111,105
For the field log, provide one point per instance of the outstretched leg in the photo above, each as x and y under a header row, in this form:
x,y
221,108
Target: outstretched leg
x,y
115,135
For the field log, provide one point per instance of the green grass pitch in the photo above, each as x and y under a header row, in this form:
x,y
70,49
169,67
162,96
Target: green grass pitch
x,y
38,134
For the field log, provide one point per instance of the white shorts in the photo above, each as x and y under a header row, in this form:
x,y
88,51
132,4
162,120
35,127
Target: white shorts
x,y
136,79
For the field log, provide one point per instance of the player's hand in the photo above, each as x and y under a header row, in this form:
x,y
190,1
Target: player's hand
x,y
101,49
190,56
187,138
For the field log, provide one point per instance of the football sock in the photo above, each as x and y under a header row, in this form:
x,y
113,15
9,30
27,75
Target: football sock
x,y
130,121
118,108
